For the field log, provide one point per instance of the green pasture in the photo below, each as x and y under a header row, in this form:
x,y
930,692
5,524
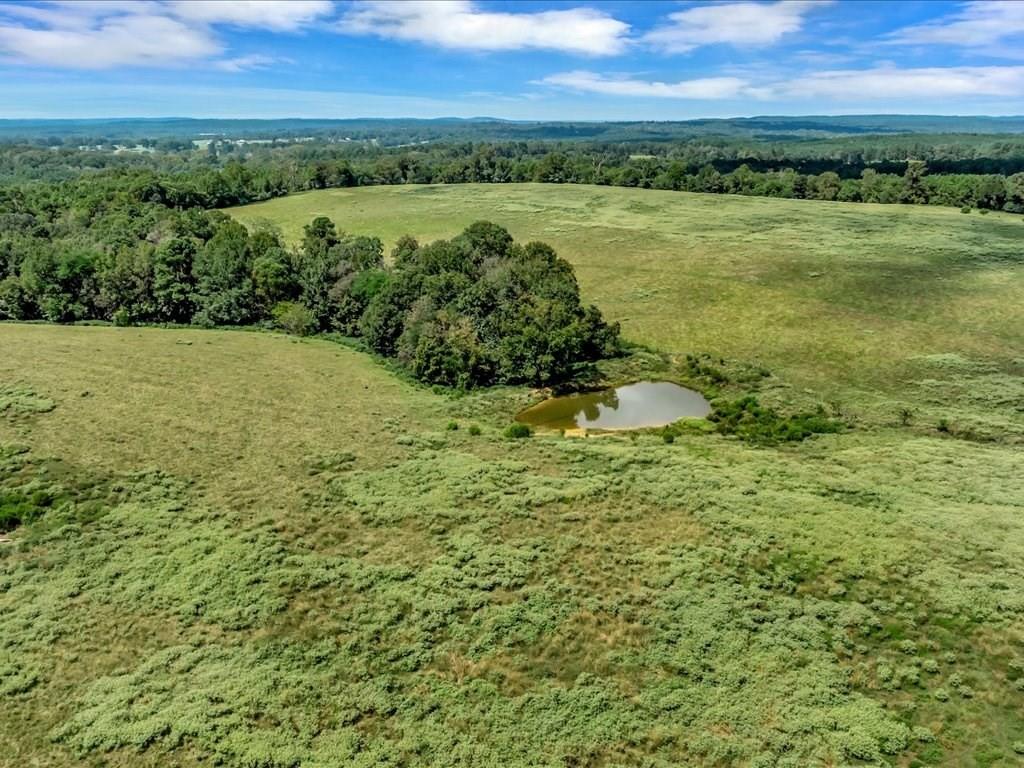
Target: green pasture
x,y
244,549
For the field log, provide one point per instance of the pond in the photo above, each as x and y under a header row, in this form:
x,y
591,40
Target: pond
x,y
633,406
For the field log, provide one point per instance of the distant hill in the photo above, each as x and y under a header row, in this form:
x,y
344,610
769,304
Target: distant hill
x,y
402,131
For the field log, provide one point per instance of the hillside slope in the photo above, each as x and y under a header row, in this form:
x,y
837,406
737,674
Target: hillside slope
x,y
243,548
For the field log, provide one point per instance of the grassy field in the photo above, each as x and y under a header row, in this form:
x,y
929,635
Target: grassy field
x,y
846,299
250,550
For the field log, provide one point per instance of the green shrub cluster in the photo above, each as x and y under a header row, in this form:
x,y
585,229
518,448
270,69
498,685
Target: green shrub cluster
x,y
746,418
518,430
23,506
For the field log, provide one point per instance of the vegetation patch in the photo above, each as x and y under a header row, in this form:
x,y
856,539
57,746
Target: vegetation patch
x,y
319,571
17,400
749,420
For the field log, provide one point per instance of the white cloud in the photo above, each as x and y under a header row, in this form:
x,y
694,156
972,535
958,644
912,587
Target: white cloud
x,y
460,24
699,88
880,84
738,24
277,15
147,33
108,42
67,14
884,83
979,25
248,63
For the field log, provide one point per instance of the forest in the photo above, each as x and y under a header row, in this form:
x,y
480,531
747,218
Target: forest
x,y
478,309
982,172
134,237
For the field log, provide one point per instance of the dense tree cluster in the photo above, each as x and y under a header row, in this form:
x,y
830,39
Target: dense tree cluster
x,y
477,309
474,310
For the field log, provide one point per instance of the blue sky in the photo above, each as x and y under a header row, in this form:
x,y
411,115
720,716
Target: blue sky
x,y
517,60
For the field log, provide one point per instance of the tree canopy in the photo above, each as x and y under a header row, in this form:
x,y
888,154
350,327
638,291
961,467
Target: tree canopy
x,y
474,310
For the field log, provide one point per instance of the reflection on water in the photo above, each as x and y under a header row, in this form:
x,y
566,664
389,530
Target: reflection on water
x,y
633,406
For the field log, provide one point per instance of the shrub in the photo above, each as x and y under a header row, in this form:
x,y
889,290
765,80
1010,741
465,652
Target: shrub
x,y
474,430
923,735
668,437
14,304
294,318
749,420
518,430
18,507
122,317
452,426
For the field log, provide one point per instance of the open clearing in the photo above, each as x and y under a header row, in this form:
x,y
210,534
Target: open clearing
x,y
271,552
841,297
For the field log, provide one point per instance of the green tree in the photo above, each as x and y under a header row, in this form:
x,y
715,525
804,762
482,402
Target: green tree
x,y
274,277
223,273
914,190
173,280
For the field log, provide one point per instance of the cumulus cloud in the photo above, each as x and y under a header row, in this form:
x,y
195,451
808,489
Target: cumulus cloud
x,y
698,88
980,25
460,24
108,42
738,24
102,35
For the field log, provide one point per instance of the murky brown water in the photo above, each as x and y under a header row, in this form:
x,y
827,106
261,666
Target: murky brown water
x,y
633,406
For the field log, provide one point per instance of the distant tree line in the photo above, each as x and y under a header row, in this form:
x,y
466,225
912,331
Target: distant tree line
x,y
942,174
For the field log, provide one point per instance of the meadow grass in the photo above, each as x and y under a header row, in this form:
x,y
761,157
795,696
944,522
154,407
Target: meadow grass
x,y
253,550
842,298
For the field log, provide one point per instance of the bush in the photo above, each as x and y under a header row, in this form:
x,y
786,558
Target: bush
x,y
14,304
923,735
294,318
452,426
749,420
18,507
518,430
122,317
943,426
474,430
